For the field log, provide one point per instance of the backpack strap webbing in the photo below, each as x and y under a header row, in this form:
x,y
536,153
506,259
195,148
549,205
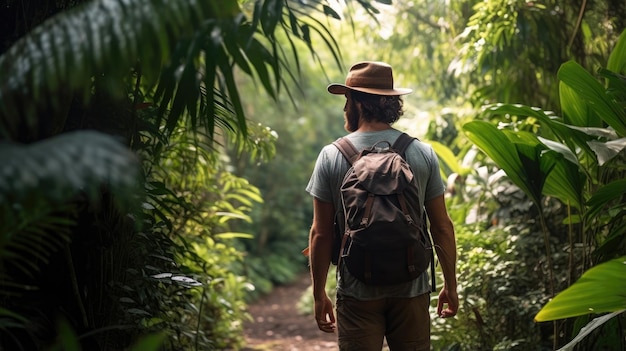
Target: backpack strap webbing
x,y
350,153
400,146
347,149
402,143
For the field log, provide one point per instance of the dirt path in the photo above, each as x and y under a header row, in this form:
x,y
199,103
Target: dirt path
x,y
278,326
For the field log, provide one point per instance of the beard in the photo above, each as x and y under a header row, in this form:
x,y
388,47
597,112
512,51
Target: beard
x,y
351,116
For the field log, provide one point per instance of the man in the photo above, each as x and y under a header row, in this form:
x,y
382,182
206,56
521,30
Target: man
x,y
366,314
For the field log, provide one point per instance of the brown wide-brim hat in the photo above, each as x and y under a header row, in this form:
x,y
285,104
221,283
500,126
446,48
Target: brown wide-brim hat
x,y
371,78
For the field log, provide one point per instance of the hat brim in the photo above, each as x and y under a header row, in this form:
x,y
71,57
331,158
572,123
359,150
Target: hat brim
x,y
341,89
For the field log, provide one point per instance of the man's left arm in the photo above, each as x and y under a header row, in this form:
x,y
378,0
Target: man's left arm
x,y
320,254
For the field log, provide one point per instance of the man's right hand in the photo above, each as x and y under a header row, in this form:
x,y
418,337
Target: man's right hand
x,y
448,304
324,315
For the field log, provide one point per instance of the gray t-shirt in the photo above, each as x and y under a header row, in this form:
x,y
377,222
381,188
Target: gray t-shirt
x,y
325,183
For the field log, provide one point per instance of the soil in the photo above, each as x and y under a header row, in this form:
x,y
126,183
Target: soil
x,y
277,324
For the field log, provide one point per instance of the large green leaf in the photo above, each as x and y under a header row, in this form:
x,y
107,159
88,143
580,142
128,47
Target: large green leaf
x,y
617,59
607,151
545,167
565,180
536,168
186,55
498,147
520,110
447,156
605,196
594,95
503,152
589,328
575,110
574,137
601,289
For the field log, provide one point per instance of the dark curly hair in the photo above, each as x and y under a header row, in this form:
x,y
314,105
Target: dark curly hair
x,y
382,108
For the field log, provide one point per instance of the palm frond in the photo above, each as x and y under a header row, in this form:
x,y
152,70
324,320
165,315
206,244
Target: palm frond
x,y
67,50
187,52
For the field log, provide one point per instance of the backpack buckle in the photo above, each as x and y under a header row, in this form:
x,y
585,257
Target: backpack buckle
x,y
377,148
409,219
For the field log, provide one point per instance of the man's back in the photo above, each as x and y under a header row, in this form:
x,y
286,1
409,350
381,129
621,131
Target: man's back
x,y
419,155
325,184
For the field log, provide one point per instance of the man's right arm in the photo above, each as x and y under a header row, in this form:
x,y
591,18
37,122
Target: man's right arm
x,y
321,245
442,231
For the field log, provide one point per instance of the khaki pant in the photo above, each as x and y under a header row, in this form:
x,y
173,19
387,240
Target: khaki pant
x,y
405,322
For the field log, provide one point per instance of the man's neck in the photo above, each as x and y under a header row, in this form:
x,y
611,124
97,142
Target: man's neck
x,y
373,127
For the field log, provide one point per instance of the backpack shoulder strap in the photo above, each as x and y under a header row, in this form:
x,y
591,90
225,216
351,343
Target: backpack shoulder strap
x,y
402,143
350,153
347,149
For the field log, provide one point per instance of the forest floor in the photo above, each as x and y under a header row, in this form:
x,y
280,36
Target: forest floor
x,y
277,324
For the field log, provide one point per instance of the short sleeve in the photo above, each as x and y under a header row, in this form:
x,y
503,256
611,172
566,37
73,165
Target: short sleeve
x,y
319,184
435,186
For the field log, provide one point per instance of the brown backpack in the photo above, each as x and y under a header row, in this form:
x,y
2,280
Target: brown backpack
x,y
385,239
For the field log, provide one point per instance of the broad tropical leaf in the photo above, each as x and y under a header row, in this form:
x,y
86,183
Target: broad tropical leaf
x,y
565,179
575,110
447,156
594,95
590,327
606,151
574,137
601,289
504,153
606,195
617,59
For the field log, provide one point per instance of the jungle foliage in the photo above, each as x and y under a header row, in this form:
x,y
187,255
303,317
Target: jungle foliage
x,y
116,195
577,158
155,155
